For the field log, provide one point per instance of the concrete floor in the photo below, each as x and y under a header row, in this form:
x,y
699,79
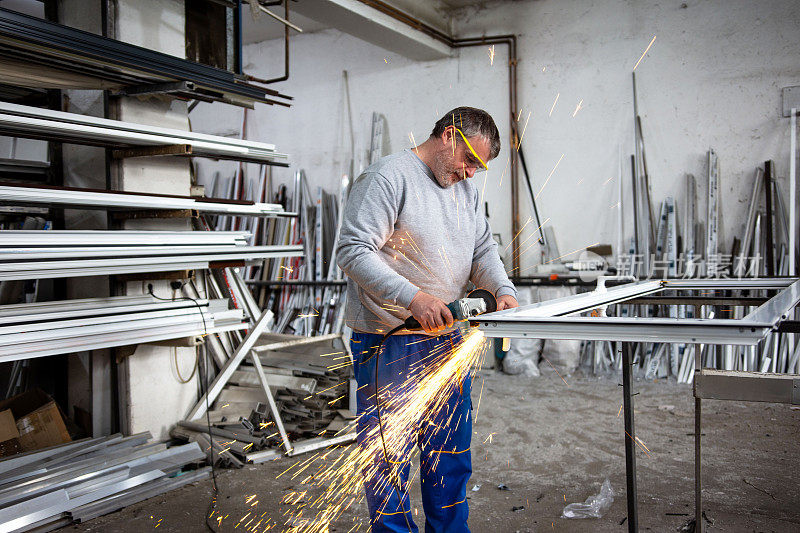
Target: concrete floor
x,y
554,443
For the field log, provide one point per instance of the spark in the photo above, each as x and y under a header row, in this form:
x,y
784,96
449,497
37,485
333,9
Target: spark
x,y
286,268
480,396
606,182
549,176
519,141
573,251
620,410
577,108
385,60
543,68
405,409
614,205
554,368
489,437
519,115
517,235
504,172
554,105
644,53
411,137
639,443
491,55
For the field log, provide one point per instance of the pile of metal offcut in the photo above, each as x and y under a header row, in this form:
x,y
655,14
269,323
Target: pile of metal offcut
x,y
81,480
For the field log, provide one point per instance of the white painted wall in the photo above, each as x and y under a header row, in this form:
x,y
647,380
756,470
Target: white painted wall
x,y
711,79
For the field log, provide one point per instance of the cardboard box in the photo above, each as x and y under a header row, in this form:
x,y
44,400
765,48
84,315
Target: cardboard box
x,y
42,428
9,441
38,420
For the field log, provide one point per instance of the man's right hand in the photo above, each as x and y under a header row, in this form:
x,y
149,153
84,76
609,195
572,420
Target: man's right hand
x,y
431,312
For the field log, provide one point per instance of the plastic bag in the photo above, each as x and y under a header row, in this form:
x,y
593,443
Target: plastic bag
x,y
594,506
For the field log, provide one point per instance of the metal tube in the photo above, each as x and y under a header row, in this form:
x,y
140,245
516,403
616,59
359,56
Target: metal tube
x,y
793,193
698,411
630,435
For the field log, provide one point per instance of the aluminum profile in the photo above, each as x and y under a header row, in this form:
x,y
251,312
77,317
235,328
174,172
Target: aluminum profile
x,y
80,325
40,42
38,123
96,482
26,195
54,254
553,320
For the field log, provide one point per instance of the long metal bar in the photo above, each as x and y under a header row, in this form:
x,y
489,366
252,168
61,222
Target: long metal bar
x,y
630,435
18,238
55,45
698,427
768,177
276,414
793,192
19,194
230,367
26,121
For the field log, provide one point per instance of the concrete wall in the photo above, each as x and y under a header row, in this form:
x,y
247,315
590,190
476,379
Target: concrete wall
x,y
711,79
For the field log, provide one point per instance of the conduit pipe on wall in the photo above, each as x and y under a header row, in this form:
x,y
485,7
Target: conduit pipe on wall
x,y
488,40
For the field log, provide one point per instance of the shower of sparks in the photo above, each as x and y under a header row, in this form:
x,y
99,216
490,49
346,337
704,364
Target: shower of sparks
x,y
645,52
549,176
554,105
519,141
491,55
405,409
577,108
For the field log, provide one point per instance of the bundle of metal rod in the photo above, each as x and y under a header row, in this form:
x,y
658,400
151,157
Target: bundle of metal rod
x,y
38,254
38,123
93,61
48,195
317,308
82,480
40,329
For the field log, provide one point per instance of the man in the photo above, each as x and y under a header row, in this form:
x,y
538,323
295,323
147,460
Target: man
x,y
413,238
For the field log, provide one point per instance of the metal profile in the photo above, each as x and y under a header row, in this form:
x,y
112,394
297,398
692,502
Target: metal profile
x,y
551,320
44,43
41,333
26,195
38,123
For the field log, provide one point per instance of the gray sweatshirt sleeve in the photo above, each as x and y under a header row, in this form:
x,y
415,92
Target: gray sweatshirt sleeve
x,y
488,271
369,220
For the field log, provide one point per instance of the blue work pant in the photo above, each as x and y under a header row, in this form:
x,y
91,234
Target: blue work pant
x,y
443,437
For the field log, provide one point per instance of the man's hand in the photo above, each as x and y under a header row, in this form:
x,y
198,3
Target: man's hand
x,y
506,301
431,312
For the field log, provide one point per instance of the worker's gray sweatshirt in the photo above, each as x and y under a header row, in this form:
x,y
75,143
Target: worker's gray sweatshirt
x,y
402,233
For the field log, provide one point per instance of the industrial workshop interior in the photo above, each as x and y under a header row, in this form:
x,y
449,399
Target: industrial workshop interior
x,y
318,266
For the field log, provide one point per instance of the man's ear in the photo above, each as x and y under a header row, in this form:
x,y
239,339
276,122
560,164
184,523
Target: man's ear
x,y
449,137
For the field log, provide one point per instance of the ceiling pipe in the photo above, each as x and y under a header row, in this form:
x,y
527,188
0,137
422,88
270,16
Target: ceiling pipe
x,y
488,40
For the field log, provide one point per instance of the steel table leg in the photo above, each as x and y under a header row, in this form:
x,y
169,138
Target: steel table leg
x,y
630,445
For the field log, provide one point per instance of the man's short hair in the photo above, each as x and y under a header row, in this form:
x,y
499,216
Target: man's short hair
x,y
471,121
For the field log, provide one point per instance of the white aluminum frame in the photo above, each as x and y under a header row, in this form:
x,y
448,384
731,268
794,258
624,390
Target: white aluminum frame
x,y
556,319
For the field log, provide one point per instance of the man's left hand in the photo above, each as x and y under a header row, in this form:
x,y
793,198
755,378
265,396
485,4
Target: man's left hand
x,y
506,301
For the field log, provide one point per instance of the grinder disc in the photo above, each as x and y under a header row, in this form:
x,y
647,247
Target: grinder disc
x,y
486,296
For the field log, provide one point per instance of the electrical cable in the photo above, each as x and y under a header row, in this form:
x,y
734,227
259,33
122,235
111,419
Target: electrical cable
x,y
380,423
212,506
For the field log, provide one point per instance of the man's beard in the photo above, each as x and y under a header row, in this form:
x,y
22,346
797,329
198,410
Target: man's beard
x,y
446,175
